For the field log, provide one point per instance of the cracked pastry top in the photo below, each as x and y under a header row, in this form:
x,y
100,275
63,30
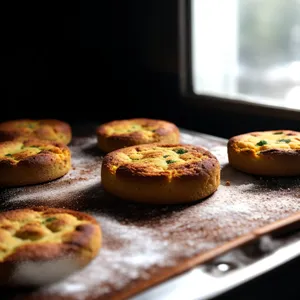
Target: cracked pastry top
x,y
45,129
43,234
123,133
161,173
269,153
32,161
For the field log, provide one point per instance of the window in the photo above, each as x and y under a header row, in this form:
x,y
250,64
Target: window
x,y
246,50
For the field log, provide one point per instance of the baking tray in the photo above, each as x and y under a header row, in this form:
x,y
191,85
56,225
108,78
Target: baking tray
x,y
143,245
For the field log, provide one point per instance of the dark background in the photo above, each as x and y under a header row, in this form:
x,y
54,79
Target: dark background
x,y
107,60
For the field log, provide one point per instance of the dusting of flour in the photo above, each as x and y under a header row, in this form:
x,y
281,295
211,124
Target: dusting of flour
x,y
138,241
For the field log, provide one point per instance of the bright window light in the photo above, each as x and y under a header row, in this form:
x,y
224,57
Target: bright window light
x,y
247,50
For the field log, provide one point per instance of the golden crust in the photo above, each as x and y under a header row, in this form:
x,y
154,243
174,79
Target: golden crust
x,y
161,173
123,133
45,129
266,153
32,161
42,234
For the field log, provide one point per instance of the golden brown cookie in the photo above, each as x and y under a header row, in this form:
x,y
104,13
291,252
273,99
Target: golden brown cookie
x,y
123,133
266,153
161,173
41,245
32,162
47,129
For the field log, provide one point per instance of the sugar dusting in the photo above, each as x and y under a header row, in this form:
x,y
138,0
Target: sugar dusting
x,y
139,239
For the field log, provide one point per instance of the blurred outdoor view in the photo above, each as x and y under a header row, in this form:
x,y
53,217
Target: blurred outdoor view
x,y
247,49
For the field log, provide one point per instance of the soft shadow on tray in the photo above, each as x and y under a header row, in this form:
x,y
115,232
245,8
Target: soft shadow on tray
x,y
93,150
95,199
260,184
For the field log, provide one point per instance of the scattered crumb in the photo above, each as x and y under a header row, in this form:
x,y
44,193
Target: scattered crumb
x,y
227,183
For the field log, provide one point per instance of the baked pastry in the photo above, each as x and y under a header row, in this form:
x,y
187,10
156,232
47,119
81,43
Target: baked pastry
x,y
46,129
161,173
42,245
266,153
123,133
32,162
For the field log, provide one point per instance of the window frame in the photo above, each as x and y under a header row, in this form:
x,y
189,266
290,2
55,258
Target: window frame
x,y
198,101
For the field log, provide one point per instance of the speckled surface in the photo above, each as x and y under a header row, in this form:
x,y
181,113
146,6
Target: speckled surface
x,y
139,241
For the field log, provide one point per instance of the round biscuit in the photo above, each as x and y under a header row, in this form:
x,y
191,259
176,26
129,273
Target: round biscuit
x,y
266,153
161,173
32,161
124,133
45,129
41,245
